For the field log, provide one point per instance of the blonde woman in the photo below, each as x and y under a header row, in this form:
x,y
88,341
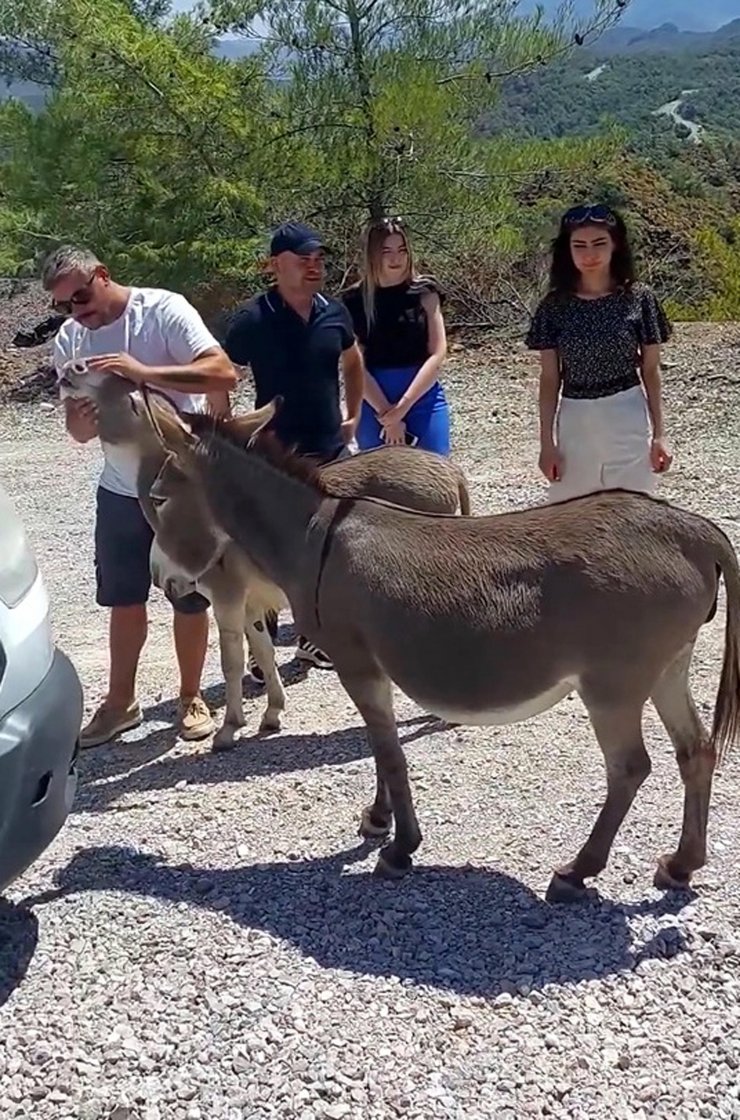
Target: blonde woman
x,y
398,322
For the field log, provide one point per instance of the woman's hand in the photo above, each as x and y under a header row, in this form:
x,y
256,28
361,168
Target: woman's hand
x,y
661,456
551,463
396,414
393,433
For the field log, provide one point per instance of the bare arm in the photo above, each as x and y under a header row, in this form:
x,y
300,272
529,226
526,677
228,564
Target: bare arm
x,y
549,392
353,372
210,371
81,419
375,396
653,388
437,343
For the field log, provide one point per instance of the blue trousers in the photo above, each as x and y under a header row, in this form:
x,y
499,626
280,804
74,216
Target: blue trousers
x,y
428,419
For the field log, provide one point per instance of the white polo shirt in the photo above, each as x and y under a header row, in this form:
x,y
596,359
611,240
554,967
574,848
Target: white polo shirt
x,y
157,327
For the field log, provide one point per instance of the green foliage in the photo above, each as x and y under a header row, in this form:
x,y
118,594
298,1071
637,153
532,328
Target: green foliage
x,y
172,163
720,256
380,104
474,124
139,152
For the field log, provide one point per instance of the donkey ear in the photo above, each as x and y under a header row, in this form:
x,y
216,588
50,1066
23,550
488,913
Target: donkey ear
x,y
247,428
160,489
169,427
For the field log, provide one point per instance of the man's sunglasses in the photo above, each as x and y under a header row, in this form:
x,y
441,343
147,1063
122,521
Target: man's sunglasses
x,y
79,298
581,215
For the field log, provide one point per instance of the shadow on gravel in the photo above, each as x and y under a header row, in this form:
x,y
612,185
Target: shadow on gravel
x,y
469,930
258,756
19,934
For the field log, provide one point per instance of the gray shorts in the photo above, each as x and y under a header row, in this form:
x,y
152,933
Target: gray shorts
x,y
123,542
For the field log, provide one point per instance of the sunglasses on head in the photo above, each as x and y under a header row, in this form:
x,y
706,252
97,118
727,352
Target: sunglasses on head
x,y
581,215
387,223
79,298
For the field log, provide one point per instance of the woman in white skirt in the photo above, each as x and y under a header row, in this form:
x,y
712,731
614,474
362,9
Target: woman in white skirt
x,y
599,333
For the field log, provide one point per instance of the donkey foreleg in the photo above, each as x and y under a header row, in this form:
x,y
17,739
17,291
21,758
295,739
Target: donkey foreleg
x,y
376,819
231,647
263,651
372,693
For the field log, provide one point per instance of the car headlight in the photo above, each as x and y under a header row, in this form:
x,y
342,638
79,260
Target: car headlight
x,y
18,568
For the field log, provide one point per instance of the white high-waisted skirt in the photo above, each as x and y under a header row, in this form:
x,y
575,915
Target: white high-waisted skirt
x,y
605,443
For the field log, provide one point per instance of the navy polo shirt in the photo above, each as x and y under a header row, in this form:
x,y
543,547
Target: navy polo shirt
x,y
297,360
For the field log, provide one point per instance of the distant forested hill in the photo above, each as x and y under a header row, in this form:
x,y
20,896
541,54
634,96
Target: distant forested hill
x,y
579,95
679,180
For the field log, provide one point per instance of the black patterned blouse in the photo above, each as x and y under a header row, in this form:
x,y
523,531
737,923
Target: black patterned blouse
x,y
599,340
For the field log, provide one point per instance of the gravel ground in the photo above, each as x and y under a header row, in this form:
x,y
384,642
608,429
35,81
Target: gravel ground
x,y
218,948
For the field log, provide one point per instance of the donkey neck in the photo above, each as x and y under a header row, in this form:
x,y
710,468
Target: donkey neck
x,y
263,508
120,427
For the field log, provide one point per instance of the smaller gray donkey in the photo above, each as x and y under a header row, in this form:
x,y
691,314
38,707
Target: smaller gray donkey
x,y
190,552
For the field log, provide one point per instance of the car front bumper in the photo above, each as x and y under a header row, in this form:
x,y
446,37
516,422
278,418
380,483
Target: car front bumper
x,y
39,744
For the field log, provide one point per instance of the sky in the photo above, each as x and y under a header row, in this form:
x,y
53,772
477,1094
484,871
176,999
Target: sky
x,y
690,15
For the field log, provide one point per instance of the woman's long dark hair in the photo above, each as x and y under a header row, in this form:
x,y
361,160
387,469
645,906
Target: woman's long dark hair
x,y
564,275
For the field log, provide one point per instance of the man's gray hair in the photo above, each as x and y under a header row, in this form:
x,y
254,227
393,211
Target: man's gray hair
x,y
64,260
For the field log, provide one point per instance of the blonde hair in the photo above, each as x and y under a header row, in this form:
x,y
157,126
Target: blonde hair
x,y
375,235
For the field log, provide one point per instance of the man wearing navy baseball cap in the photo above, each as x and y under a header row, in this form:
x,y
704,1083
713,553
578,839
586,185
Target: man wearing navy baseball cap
x,y
294,237
296,340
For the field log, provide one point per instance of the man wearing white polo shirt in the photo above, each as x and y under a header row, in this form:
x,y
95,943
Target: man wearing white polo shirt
x,y
152,336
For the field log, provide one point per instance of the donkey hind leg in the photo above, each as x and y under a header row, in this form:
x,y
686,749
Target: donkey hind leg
x,y
230,621
372,692
696,761
257,631
619,734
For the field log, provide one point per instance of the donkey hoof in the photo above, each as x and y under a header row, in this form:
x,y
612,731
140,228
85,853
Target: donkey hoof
x,y
392,866
269,724
372,829
221,746
225,738
664,880
566,889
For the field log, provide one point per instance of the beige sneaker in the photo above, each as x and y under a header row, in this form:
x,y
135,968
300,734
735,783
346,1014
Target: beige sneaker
x,y
196,721
107,722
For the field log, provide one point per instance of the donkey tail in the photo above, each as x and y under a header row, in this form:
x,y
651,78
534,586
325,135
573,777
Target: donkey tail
x,y
464,495
726,724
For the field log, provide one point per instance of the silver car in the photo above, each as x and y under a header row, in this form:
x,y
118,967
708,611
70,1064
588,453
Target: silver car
x,y
40,709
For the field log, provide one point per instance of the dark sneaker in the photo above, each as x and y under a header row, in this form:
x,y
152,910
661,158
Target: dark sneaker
x,y
307,651
254,671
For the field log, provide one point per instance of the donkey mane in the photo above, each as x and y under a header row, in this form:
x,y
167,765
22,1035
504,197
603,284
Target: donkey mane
x,y
265,444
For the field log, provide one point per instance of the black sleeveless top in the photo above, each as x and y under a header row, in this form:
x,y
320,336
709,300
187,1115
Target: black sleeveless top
x,y
398,335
